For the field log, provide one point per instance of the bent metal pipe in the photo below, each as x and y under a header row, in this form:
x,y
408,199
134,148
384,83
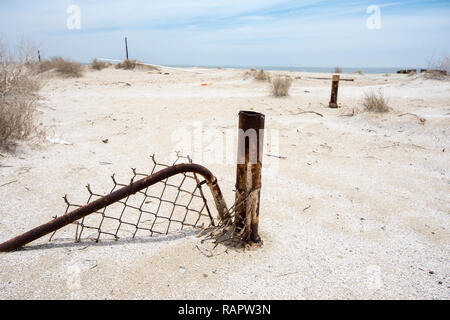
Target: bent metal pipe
x,y
118,195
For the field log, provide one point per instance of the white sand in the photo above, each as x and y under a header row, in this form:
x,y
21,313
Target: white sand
x,y
359,209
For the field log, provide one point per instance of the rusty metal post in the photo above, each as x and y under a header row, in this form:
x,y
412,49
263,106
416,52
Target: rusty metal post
x,y
248,177
126,46
334,91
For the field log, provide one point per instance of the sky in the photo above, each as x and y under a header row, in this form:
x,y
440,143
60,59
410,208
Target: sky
x,y
326,33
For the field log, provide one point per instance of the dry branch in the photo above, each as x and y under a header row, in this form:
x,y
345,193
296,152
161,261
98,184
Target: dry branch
x,y
421,120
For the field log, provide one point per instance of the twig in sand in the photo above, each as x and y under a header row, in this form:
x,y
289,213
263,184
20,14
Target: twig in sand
x,y
309,111
8,183
287,274
95,264
396,144
279,157
417,146
319,114
203,253
421,120
209,255
308,207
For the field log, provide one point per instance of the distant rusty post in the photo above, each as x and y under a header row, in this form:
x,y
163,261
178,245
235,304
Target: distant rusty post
x,y
39,56
248,178
126,46
334,91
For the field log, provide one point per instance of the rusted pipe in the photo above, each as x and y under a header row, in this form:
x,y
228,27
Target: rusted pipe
x,y
334,91
120,194
248,177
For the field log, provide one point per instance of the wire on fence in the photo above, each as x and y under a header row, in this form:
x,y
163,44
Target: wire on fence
x,y
229,231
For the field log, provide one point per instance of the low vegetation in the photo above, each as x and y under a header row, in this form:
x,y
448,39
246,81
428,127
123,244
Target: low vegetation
x,y
127,64
19,97
260,75
337,70
99,65
438,69
68,68
375,102
281,86
65,68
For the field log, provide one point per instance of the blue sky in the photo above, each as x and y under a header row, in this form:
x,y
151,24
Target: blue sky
x,y
236,32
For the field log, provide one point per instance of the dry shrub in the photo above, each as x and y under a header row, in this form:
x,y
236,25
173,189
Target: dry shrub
x,y
19,98
337,70
261,75
65,68
137,65
257,75
44,66
435,75
438,69
375,102
250,73
358,72
127,64
99,65
281,86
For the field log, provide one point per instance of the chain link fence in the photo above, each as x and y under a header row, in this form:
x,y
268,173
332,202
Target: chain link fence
x,y
170,205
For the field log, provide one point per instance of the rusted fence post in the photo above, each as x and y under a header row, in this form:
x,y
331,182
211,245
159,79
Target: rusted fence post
x,y
334,91
248,178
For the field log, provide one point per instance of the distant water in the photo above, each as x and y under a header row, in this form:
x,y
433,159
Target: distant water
x,y
299,69
303,69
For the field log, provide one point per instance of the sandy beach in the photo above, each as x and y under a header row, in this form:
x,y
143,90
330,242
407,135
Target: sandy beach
x,y
354,205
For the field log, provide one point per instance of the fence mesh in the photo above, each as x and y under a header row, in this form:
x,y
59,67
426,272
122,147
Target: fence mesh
x,y
170,205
